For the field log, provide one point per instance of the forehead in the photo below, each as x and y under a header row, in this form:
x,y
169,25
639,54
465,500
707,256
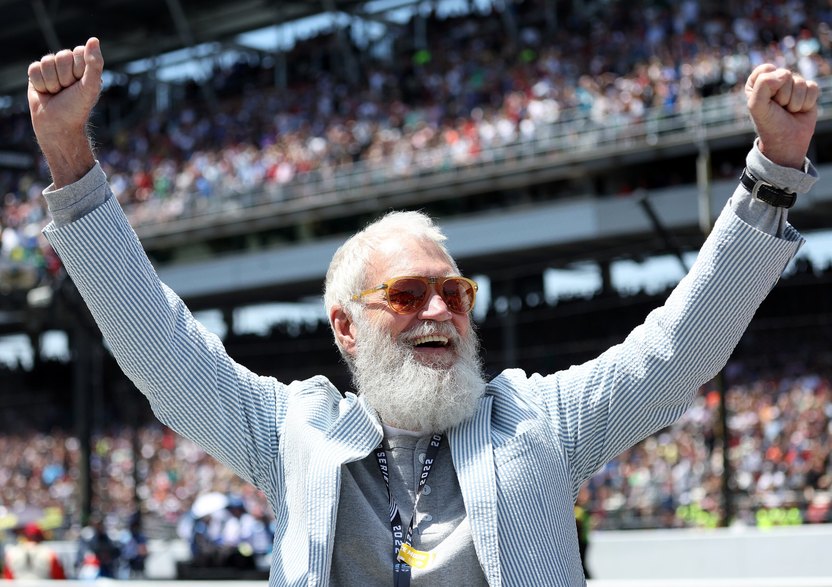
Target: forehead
x,y
409,256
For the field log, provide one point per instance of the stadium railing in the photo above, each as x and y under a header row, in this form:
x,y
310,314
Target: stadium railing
x,y
551,152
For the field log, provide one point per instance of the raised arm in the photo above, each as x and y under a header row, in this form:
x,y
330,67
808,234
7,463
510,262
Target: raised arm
x,y
63,88
192,384
645,383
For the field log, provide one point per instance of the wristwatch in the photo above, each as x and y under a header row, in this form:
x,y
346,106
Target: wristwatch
x,y
765,192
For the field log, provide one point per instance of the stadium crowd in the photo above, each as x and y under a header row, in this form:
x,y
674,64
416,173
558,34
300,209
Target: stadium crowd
x,y
450,101
779,427
780,458
452,98
148,474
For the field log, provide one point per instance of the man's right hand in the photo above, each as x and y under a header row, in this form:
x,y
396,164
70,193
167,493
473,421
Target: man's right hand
x,y
63,89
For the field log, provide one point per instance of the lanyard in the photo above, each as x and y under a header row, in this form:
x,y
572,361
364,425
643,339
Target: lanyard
x,y
403,560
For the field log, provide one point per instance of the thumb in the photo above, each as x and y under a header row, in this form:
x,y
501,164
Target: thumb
x,y
93,68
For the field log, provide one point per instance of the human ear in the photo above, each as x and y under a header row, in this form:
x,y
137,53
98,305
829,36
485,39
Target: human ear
x,y
343,328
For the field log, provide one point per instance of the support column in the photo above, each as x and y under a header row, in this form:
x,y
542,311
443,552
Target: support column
x,y
605,269
82,394
228,320
502,294
46,25
510,294
724,438
177,13
509,21
344,56
703,183
550,14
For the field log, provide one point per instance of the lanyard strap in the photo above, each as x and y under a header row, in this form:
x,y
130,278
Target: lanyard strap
x,y
401,570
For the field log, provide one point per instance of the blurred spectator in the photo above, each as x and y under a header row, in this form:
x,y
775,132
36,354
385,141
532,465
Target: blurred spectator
x,y
223,533
133,549
30,558
204,549
583,521
233,532
89,569
97,548
199,528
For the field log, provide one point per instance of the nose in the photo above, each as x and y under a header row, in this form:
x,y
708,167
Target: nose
x,y
435,309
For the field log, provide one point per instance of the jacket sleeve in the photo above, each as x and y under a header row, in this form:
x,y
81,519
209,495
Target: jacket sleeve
x,y
192,384
635,388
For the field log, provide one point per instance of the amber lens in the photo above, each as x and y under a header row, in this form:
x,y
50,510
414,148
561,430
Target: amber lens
x,y
407,295
458,295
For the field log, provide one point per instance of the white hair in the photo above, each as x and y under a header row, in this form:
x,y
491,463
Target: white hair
x,y
347,273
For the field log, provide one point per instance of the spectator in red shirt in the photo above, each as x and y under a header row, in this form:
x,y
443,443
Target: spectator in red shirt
x,y
31,558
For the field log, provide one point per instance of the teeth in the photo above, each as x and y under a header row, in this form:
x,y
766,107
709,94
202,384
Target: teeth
x,y
432,338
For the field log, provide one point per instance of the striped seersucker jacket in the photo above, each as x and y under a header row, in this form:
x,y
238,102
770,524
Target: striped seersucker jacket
x,y
520,460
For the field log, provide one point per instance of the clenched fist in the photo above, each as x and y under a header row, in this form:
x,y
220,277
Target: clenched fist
x,y
63,89
783,107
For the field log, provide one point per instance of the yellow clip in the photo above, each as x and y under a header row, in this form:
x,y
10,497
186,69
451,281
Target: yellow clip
x,y
418,559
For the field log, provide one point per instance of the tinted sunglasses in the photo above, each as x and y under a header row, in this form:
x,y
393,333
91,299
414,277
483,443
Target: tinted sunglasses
x,y
406,295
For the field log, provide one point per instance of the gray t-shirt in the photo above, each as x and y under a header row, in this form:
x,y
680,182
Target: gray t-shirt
x,y
363,537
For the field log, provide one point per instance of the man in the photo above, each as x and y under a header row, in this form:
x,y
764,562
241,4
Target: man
x,y
470,482
233,531
31,558
583,521
133,548
95,539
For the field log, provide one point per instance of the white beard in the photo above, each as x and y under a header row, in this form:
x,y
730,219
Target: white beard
x,y
412,395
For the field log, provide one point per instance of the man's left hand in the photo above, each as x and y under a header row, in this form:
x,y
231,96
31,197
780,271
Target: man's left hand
x,y
783,107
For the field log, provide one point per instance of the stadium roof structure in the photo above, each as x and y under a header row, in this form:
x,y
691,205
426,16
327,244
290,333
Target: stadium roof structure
x,y
137,29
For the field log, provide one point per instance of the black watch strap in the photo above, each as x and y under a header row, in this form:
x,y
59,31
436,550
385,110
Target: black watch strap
x,y
765,192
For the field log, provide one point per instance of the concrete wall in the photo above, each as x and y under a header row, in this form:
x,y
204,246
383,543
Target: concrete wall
x,y
799,551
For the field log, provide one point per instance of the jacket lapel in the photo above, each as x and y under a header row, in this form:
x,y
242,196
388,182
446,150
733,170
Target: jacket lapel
x,y
353,435
470,444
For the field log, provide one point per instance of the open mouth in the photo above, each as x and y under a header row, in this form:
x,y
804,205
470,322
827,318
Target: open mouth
x,y
434,341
